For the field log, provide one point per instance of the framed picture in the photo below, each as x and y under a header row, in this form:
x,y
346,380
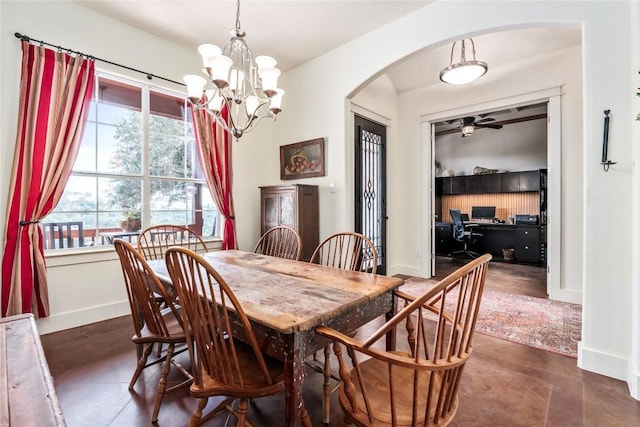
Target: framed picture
x,y
302,159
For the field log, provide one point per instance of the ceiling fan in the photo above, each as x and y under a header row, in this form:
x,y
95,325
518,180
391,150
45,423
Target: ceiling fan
x,y
469,124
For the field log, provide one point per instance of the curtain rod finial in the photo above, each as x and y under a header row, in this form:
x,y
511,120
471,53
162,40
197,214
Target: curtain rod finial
x,y
21,37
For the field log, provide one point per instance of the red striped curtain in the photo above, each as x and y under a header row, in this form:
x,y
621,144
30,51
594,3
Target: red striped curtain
x,y
214,149
55,92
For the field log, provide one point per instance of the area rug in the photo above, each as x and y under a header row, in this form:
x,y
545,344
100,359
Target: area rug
x,y
536,322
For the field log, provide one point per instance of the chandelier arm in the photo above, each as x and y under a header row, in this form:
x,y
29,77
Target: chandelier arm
x,y
254,119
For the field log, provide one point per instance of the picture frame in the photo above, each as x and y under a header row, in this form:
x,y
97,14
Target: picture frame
x,y
302,160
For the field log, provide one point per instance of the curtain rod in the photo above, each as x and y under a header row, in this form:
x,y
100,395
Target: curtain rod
x,y
150,76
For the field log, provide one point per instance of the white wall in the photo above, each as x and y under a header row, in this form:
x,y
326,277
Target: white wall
x,y
587,191
516,147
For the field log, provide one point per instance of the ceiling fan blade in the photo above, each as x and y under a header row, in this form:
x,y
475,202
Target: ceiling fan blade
x,y
467,121
489,126
486,119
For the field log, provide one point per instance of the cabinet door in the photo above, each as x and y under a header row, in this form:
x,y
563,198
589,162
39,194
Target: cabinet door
x,y
445,184
491,183
510,182
474,184
287,210
458,184
271,202
530,181
439,186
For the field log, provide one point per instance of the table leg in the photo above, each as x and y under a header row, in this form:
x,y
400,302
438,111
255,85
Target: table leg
x,y
295,413
391,335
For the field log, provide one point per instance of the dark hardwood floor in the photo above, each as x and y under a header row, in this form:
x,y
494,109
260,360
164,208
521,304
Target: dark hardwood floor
x,y
504,384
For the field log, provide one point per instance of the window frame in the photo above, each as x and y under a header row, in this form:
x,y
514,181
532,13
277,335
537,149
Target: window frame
x,y
146,88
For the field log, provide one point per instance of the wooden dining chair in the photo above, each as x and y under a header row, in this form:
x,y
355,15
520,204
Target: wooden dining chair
x,y
152,324
222,363
154,241
281,242
417,384
349,251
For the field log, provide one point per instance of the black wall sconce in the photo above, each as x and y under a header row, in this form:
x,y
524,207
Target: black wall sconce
x,y
605,143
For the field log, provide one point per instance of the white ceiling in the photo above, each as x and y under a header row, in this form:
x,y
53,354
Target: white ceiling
x,y
296,31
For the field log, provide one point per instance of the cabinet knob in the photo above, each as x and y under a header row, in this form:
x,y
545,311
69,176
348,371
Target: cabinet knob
x,y
526,232
526,247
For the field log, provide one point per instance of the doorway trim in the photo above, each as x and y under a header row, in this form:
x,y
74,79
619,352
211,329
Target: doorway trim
x,y
554,165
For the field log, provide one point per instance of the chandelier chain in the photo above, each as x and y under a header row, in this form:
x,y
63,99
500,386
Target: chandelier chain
x,y
237,14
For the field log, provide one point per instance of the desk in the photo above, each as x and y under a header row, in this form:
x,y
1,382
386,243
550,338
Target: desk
x,y
529,241
285,300
27,396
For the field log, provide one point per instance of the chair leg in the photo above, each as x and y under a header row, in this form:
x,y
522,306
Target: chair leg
x,y
197,413
304,415
162,384
141,364
241,412
326,386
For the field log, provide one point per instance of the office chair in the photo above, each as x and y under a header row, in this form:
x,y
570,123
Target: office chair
x,y
463,233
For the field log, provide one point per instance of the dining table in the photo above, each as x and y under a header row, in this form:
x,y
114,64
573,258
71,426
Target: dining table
x,y
285,300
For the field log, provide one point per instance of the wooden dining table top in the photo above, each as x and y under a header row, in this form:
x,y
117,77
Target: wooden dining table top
x,y
290,296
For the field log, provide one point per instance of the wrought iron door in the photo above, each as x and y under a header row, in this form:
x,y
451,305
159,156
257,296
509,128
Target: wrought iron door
x,y
370,185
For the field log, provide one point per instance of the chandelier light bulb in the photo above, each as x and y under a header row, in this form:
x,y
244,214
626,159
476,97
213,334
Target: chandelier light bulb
x,y
195,85
207,51
219,72
269,77
264,61
275,102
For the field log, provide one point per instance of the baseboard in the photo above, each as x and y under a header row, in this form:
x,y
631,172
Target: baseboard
x,y
408,270
602,363
73,319
633,380
574,297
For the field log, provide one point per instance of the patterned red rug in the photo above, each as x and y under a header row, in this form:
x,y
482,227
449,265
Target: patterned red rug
x,y
548,325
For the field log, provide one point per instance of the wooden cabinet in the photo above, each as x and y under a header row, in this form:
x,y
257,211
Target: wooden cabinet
x,y
509,182
295,206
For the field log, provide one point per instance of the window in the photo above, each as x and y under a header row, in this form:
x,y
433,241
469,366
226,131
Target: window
x,y
137,161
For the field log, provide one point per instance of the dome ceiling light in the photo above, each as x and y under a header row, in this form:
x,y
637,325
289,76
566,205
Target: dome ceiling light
x,y
463,72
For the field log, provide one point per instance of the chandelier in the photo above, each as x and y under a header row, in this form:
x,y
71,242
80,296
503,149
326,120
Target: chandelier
x,y
244,86
463,72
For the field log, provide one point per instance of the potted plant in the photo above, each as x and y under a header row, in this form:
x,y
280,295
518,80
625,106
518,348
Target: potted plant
x,y
132,221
